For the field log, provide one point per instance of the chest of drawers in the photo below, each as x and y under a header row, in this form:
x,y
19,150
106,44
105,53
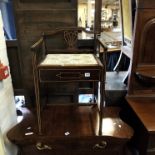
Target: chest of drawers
x,y
72,130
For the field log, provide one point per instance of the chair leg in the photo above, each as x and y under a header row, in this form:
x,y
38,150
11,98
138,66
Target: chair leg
x,y
37,93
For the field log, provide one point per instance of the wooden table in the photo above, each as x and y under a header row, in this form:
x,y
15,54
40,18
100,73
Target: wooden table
x,y
144,123
110,46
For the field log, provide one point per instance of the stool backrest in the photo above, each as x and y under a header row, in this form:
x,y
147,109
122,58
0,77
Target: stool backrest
x,y
68,40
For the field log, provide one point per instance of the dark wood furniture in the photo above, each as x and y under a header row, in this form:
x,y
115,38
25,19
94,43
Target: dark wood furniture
x,y
67,63
141,93
142,111
72,130
112,46
69,128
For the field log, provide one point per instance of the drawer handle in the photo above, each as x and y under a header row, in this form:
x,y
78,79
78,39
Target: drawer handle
x,y
101,145
41,146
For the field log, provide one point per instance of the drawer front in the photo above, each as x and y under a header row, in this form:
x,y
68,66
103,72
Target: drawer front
x,y
77,147
81,151
32,150
50,75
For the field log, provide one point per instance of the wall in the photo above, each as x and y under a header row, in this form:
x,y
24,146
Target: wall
x,y
127,19
82,12
86,14
7,105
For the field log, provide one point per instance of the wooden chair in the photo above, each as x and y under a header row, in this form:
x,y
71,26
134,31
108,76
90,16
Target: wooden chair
x,y
62,56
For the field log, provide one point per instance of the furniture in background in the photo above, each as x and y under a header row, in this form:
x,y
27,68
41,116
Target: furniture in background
x,y
72,63
112,41
115,88
72,130
141,92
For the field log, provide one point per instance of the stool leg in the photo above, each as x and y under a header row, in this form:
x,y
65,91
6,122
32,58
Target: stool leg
x,y
37,93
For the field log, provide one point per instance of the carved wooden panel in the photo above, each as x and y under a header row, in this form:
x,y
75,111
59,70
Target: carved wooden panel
x,y
142,78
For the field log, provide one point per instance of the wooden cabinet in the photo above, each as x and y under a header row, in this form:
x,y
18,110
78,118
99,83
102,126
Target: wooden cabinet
x,y
72,130
141,93
142,111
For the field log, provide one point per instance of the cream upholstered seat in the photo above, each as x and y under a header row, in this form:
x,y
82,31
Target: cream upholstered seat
x,y
69,60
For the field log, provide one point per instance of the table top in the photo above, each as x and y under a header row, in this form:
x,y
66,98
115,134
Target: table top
x,y
61,121
111,46
144,108
111,36
70,60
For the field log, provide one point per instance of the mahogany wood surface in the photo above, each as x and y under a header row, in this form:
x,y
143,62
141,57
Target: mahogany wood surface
x,y
68,72
72,128
142,120
145,110
78,120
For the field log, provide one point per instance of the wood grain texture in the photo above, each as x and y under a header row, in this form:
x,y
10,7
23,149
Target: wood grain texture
x,y
71,129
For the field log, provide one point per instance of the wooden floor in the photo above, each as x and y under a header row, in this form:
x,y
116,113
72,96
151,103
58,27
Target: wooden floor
x,y
114,81
115,88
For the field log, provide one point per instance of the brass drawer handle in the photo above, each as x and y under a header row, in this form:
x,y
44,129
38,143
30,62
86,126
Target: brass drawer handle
x,y
41,146
101,145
